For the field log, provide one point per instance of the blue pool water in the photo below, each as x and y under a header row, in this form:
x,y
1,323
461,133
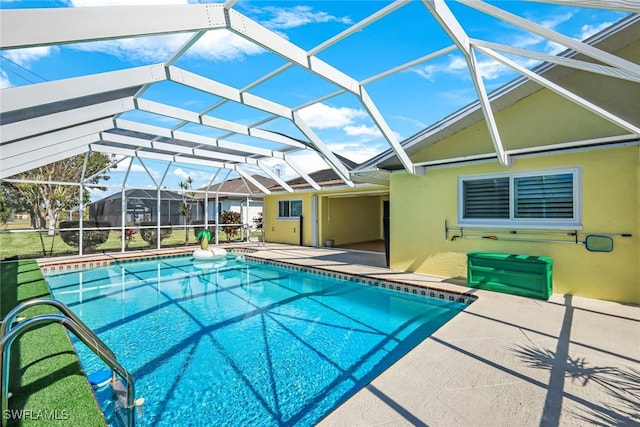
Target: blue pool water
x,y
242,343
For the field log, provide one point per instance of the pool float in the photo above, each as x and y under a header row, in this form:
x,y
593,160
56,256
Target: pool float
x,y
206,253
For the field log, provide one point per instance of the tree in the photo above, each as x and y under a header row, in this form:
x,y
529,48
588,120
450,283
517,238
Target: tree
x,y
45,201
7,209
185,207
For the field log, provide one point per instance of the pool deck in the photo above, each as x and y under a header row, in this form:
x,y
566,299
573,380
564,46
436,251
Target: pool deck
x,y
504,361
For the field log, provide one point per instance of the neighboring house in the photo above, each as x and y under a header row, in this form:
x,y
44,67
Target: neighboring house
x,y
142,206
235,195
337,212
573,171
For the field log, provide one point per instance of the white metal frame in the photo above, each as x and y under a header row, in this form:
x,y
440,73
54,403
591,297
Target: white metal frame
x,y
33,142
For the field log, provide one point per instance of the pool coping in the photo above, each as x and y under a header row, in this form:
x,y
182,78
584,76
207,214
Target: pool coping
x,y
104,260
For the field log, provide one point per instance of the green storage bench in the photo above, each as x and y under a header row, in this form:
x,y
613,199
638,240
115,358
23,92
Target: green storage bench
x,y
524,275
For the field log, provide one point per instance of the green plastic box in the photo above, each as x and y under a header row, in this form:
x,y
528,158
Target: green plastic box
x,y
524,275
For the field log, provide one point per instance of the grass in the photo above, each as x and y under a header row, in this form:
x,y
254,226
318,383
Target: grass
x,y
28,244
46,378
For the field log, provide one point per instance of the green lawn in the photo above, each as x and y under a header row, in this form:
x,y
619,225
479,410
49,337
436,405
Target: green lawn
x,y
46,378
28,244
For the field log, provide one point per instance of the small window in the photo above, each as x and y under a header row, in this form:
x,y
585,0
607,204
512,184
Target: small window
x,y
531,199
289,209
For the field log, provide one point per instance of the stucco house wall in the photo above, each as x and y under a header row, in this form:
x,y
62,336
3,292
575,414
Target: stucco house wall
x,y
610,204
345,215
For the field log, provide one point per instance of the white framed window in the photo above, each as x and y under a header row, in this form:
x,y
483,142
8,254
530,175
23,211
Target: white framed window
x,y
289,209
535,199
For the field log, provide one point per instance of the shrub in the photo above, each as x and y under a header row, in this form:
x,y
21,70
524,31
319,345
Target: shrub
x,y
149,235
230,217
212,228
90,238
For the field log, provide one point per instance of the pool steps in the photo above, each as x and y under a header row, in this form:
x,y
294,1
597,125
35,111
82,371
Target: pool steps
x,y
8,334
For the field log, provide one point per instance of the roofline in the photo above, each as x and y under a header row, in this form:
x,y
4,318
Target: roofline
x,y
499,92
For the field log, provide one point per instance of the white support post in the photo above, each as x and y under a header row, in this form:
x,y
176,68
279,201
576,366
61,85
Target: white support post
x,y
248,219
217,218
81,205
217,211
487,111
123,218
159,204
452,27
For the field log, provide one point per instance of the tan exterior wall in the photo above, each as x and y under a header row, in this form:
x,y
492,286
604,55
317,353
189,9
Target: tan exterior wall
x,y
610,204
287,230
344,215
540,119
352,219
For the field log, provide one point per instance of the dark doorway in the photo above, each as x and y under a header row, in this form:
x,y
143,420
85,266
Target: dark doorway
x,y
386,231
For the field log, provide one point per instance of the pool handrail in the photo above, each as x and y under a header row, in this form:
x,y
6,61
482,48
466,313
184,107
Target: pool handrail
x,y
79,329
9,319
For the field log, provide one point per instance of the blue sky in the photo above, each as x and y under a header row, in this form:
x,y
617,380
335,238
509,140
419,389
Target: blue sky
x,y
409,100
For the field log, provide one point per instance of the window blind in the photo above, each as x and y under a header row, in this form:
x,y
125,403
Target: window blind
x,y
486,198
545,196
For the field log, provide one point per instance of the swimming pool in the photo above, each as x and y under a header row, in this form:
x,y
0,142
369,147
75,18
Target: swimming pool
x,y
244,343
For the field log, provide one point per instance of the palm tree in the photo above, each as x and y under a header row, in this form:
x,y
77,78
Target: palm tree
x,y
185,207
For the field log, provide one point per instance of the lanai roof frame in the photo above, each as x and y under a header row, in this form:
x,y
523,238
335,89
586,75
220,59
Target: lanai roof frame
x,y
92,124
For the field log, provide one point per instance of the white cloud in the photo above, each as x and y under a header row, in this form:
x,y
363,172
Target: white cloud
x,y
200,178
297,16
323,116
362,130
136,168
358,152
4,80
223,45
526,40
490,69
218,45
154,49
309,161
98,194
552,21
180,173
553,48
455,65
587,31
30,54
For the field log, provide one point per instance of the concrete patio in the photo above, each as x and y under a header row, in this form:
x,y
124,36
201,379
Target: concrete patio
x,y
504,361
